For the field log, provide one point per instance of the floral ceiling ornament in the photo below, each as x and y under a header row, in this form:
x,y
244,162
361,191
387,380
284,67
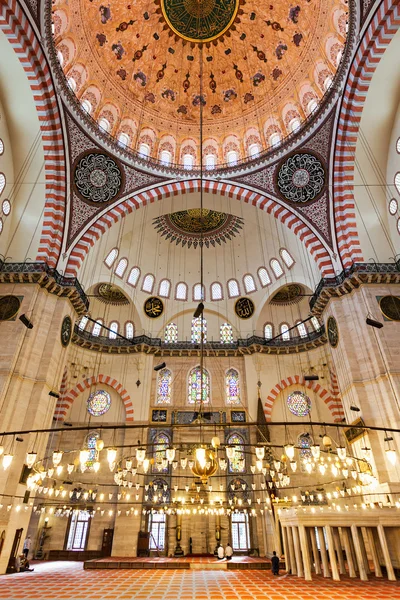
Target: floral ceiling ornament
x,y
97,177
301,177
184,227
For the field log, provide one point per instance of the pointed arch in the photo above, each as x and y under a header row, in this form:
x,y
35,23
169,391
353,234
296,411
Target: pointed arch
x,y
65,402
333,403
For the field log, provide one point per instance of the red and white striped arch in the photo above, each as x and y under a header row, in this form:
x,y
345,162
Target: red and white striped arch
x,y
378,35
19,32
66,400
292,221
333,403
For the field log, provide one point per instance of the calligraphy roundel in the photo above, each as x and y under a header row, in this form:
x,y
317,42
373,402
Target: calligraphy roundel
x,y
153,307
244,308
97,177
196,21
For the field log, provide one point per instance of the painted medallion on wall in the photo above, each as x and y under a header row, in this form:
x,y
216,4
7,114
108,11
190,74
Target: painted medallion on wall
x,y
333,331
97,177
9,307
66,331
244,308
153,307
390,307
196,21
301,177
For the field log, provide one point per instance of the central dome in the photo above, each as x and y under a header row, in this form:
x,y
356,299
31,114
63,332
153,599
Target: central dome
x,y
143,69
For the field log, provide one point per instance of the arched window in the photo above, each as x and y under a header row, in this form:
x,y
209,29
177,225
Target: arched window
x,y
286,257
83,323
129,330
198,292
396,183
276,267
210,161
268,331
148,283
72,83
232,387
2,182
304,442
315,323
274,139
393,206
91,440
232,157
1,147
327,83
104,124
226,333
6,207
249,283
237,464
311,106
144,150
197,330
164,381
160,444
285,333
294,124
263,276
60,58
254,150
123,139
233,288
188,161
114,330
195,387
165,157
164,288
134,276
121,267
97,327
111,257
301,328
86,105
216,291
181,291
171,333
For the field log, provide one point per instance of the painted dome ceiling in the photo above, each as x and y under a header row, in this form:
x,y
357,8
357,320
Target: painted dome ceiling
x,y
136,69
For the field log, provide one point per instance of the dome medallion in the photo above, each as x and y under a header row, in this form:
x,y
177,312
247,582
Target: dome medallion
x,y
199,20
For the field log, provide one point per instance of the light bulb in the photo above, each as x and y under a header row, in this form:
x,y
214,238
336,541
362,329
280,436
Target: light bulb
x,y
184,462
83,456
201,456
140,454
289,451
293,465
57,457
260,452
316,451
170,453
7,460
341,452
128,464
391,456
366,453
96,466
59,469
259,465
70,468
146,464
30,459
111,455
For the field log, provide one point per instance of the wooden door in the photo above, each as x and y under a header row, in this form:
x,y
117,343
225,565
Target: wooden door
x,y
106,545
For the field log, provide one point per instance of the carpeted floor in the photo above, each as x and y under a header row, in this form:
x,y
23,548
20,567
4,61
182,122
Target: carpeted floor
x,y
61,580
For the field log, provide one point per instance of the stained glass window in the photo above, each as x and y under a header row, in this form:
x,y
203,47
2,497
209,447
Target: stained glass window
x,y
226,333
285,333
129,330
91,440
114,330
232,387
301,328
181,291
1,147
249,284
237,464
276,267
164,386
164,288
233,288
263,276
98,403
216,291
111,257
134,276
97,327
197,329
148,283
2,182
268,331
316,324
160,444
121,267
393,206
286,257
305,442
171,333
299,404
83,322
194,388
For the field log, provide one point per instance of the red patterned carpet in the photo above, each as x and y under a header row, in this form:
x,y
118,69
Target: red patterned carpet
x,y
59,580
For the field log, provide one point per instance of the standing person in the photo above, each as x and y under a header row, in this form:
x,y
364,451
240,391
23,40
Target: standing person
x,y
220,552
275,563
27,546
228,551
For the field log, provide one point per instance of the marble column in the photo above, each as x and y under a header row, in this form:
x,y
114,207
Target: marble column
x,y
292,558
364,551
374,553
338,546
324,555
286,549
359,556
332,554
305,550
317,562
386,554
297,551
349,553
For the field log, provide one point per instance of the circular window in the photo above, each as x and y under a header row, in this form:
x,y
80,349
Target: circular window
x,y
6,207
98,403
393,205
1,146
299,404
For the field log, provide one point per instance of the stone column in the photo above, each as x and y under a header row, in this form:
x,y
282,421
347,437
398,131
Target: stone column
x,y
332,555
297,551
305,552
349,553
286,548
359,556
338,546
364,551
374,553
386,554
317,562
324,555
292,558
